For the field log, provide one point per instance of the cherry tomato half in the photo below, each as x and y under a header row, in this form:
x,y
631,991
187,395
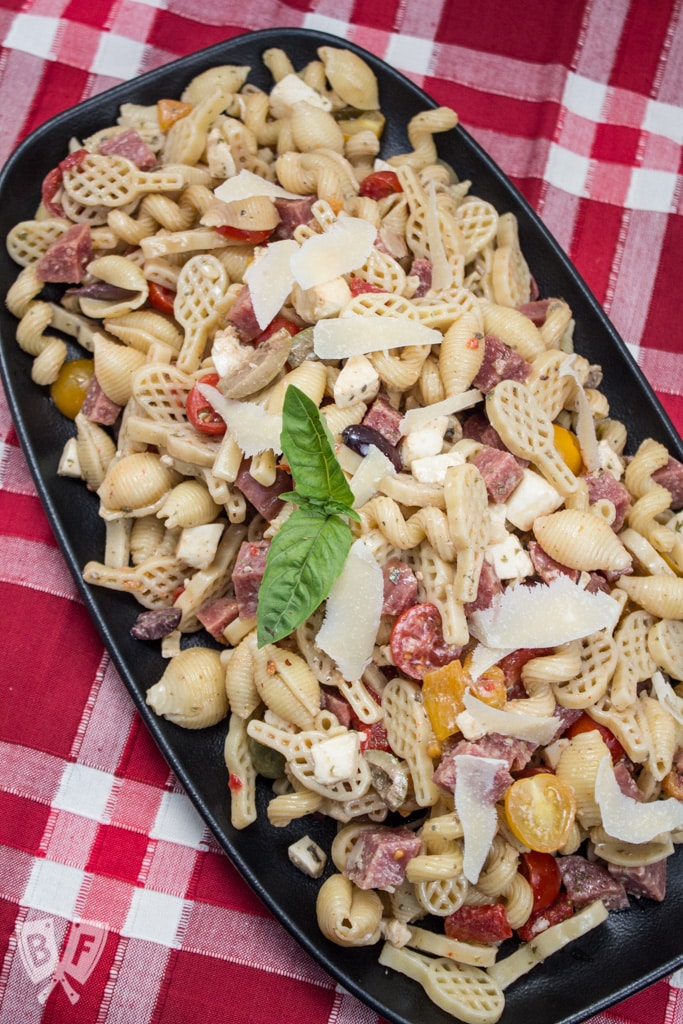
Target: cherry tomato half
x,y
543,875
244,234
358,286
71,385
417,643
540,810
586,724
280,323
201,415
380,184
161,298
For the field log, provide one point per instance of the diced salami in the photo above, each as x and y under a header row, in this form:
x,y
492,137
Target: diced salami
x,y
586,881
265,500
489,586
422,269
671,477
97,406
647,880
501,472
605,486
400,587
156,623
515,752
293,213
242,317
627,784
477,428
559,911
546,567
130,144
383,418
64,261
597,584
247,574
338,705
487,924
537,310
218,614
379,857
500,363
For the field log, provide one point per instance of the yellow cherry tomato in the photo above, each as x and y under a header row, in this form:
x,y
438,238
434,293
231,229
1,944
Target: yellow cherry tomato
x,y
568,446
69,389
540,811
443,690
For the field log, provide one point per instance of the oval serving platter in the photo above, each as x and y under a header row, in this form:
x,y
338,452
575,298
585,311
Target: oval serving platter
x,y
631,949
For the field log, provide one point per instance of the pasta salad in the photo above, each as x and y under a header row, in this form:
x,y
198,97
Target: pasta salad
x,y
330,420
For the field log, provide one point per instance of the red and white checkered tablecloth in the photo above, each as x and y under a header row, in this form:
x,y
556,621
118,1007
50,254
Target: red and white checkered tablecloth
x,y
581,103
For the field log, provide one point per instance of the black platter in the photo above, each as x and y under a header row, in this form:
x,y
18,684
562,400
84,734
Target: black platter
x,y
632,949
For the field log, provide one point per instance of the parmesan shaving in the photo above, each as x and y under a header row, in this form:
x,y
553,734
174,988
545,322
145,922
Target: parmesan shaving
x,y
545,615
585,422
352,613
371,470
474,778
417,417
270,280
484,657
254,429
667,697
533,728
344,247
357,335
631,820
247,184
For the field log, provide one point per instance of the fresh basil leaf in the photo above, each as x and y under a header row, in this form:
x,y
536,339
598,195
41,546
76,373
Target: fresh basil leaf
x,y
309,449
324,507
305,557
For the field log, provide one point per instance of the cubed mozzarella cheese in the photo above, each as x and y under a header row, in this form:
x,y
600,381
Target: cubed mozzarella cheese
x,y
336,759
227,352
532,497
69,464
357,382
609,460
197,545
321,301
291,90
424,442
509,559
431,469
307,856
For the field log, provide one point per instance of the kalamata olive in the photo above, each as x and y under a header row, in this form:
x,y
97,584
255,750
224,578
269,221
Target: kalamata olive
x,y
260,367
103,291
359,438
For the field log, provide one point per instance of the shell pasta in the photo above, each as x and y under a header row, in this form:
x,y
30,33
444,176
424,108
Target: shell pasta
x,y
330,422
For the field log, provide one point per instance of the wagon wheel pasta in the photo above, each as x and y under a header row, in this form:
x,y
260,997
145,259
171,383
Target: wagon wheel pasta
x,y
262,292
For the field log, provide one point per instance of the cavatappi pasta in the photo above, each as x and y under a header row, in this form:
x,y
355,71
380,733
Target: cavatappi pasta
x,y
523,575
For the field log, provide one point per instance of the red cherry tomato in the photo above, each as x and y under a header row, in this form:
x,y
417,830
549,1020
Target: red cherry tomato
x,y
586,724
543,875
280,323
380,184
243,234
417,643
53,180
478,924
161,298
201,415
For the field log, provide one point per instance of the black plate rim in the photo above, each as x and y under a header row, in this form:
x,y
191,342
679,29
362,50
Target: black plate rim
x,y
529,221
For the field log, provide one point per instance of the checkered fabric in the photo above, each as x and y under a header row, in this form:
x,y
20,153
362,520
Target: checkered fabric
x,y
581,102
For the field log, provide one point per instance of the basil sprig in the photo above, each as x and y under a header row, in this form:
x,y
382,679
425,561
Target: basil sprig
x,y
309,550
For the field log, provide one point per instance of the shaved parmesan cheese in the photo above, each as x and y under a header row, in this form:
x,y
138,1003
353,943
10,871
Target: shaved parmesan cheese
x,y
544,615
344,247
372,469
534,728
292,89
254,429
356,335
585,421
416,418
631,820
474,778
667,697
270,280
484,657
353,612
247,184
